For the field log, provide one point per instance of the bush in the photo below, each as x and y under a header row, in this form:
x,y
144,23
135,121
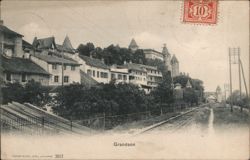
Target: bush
x,y
32,92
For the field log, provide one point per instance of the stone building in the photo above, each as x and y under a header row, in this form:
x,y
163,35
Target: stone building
x,y
16,67
171,62
51,57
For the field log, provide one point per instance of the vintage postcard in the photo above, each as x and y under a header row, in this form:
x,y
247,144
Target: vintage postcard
x,y
124,79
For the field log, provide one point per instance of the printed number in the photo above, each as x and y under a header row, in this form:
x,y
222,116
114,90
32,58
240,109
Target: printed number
x,y
59,156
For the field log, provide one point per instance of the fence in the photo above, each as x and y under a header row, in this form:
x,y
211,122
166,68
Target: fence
x,y
34,125
103,121
45,125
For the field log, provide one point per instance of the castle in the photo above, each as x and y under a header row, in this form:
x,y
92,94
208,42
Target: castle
x,y
171,62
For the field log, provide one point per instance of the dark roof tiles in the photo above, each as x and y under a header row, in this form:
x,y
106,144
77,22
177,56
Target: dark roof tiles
x,y
21,65
93,62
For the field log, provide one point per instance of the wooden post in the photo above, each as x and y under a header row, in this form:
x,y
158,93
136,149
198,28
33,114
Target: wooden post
x,y
104,121
230,78
239,76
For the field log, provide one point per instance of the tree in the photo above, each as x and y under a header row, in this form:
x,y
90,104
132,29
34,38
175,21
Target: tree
x,y
33,92
158,63
13,92
242,101
86,49
36,94
190,96
163,94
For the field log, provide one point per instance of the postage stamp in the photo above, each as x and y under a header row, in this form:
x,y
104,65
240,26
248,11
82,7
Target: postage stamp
x,y
200,11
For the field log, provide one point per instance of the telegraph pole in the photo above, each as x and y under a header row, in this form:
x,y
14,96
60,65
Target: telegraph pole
x,y
239,75
230,78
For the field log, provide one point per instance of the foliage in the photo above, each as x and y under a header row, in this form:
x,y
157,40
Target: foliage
x,y
112,54
190,96
77,101
33,92
86,49
237,100
164,91
157,62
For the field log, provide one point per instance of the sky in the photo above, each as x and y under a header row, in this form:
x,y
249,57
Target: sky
x,y
202,50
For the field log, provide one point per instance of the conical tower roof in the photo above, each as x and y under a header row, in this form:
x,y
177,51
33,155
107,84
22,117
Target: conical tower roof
x,y
174,60
188,85
133,44
67,44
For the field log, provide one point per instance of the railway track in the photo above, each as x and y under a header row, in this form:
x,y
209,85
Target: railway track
x,y
174,123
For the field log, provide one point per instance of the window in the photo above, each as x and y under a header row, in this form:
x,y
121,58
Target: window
x,y
66,79
93,73
56,78
112,76
97,74
124,77
64,67
8,76
89,72
23,77
54,66
119,76
73,68
104,75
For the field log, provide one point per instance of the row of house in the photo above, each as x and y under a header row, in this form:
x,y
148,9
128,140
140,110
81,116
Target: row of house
x,y
54,64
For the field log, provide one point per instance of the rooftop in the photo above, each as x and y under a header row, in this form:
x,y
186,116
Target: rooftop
x,y
66,46
133,44
146,51
55,59
134,66
174,60
44,43
93,62
21,65
6,30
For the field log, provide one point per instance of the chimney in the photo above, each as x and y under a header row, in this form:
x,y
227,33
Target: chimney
x,y
130,62
1,22
125,62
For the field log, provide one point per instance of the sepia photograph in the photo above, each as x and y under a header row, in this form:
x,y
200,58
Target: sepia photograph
x,y
124,79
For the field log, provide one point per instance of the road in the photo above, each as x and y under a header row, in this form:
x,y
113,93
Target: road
x,y
210,132
208,117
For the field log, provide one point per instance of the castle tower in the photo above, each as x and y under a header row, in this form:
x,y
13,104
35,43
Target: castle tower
x,y
175,66
218,94
67,44
188,84
133,45
167,58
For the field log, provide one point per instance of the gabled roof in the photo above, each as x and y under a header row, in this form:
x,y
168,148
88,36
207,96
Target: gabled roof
x,y
27,45
6,30
44,43
94,62
133,44
52,59
174,60
21,65
133,66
